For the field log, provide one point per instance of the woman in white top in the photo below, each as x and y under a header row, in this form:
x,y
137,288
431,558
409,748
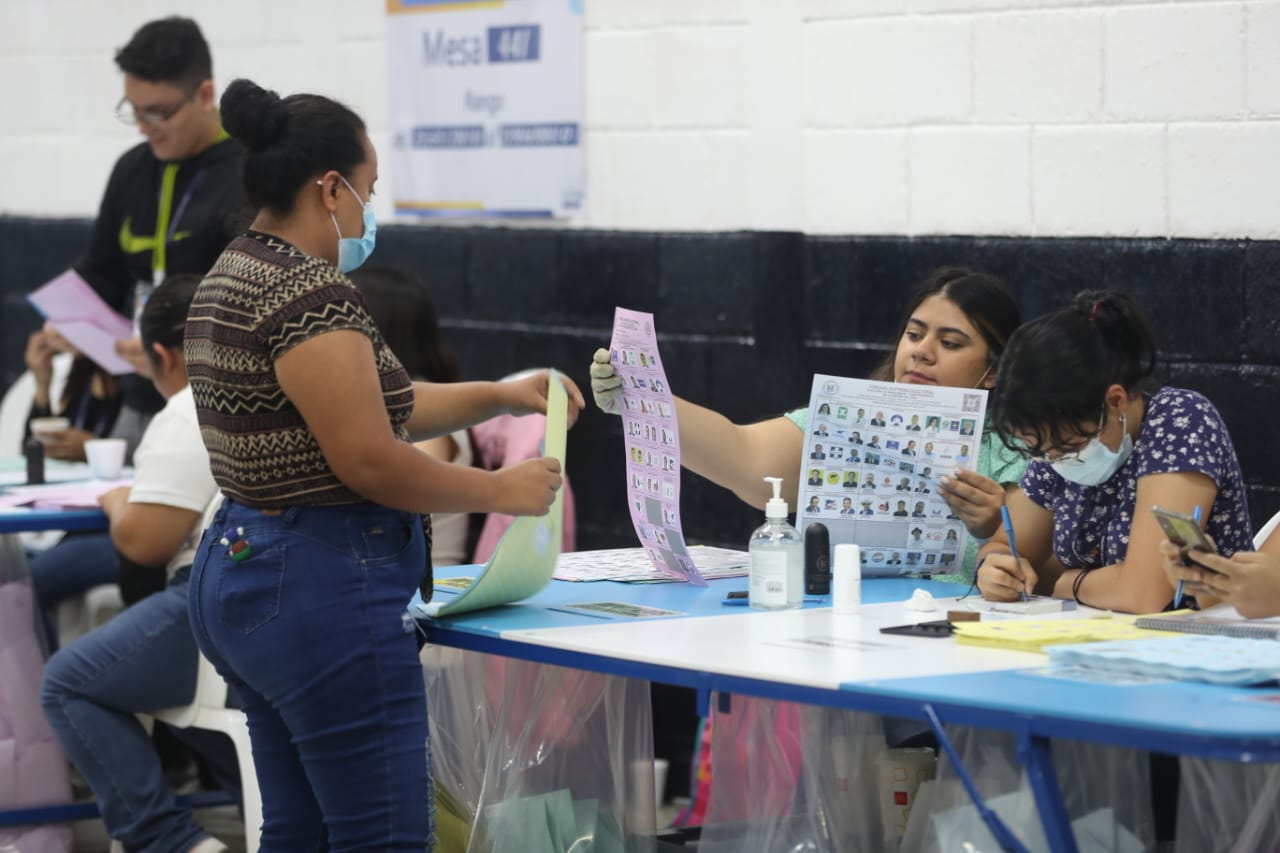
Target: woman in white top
x,y
146,657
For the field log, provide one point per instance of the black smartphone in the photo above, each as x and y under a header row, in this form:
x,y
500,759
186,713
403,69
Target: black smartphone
x,y
939,628
1183,531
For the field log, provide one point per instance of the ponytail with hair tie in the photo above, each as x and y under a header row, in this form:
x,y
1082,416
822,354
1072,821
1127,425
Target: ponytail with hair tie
x,y
1057,368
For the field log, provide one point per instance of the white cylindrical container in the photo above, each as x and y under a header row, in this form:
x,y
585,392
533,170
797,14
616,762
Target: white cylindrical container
x,y
846,579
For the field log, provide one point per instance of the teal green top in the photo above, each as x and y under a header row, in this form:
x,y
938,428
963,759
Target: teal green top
x,y
995,460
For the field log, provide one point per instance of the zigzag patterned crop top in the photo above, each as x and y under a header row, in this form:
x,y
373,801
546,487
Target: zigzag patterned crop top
x,y
263,297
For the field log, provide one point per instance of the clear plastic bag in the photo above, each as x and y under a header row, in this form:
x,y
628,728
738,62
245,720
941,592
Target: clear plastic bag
x,y
793,777
1228,807
33,770
531,757
1106,791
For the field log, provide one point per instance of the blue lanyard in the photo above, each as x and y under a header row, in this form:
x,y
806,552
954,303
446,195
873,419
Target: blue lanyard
x,y
182,204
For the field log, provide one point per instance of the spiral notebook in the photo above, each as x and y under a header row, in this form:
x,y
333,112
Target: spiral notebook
x,y
1222,620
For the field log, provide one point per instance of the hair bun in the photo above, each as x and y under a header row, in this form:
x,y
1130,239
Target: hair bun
x,y
252,114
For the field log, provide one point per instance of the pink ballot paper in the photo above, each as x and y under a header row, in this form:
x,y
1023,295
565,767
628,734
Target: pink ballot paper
x,y
78,313
653,445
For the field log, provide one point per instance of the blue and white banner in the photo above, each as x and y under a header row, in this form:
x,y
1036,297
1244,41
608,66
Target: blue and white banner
x,y
486,107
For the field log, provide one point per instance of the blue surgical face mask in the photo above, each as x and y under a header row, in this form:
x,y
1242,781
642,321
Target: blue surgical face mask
x,y
354,251
1095,463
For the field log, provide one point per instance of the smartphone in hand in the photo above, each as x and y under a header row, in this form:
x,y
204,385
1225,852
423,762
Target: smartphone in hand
x,y
1184,532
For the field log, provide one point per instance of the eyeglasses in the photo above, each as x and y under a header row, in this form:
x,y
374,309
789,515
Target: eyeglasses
x,y
127,113
1071,457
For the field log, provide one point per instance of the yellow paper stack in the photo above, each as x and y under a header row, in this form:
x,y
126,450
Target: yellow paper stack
x,y
1032,636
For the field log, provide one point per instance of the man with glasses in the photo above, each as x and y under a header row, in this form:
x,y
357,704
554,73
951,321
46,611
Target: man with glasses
x,y
167,209
168,203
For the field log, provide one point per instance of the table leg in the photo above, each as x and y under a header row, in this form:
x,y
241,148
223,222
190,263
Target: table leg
x,y
1035,754
999,829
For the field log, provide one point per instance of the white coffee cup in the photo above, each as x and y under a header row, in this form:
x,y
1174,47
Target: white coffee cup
x,y
106,457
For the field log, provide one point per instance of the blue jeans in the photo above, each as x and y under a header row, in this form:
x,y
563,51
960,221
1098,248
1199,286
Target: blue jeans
x,y
312,630
76,564
141,660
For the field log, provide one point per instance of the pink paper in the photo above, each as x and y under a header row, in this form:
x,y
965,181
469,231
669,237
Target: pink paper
x,y
77,495
78,313
653,445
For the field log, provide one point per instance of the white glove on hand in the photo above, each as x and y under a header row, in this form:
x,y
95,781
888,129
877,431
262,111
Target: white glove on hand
x,y
606,384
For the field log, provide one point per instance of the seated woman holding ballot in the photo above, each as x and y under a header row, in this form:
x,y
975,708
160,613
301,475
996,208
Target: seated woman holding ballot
x,y
1072,388
952,334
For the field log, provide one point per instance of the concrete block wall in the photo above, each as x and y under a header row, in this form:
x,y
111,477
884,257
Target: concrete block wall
x,y
913,117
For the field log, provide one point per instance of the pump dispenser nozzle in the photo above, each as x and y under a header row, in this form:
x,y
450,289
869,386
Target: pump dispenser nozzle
x,y
776,507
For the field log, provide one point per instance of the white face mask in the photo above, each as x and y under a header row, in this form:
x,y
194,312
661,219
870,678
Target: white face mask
x,y
1095,463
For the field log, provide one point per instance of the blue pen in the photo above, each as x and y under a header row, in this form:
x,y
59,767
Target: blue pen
x,y
1013,545
1177,593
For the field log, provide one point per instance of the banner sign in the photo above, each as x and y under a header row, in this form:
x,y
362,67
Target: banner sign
x,y
486,107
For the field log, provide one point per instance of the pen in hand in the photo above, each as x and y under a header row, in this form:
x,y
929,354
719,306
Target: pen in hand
x,y
1013,545
1177,593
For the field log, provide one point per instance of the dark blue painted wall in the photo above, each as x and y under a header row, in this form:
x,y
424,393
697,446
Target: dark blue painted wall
x,y
746,318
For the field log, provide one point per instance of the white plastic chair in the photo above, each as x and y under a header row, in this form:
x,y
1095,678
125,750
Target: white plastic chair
x,y
80,614
1266,531
208,711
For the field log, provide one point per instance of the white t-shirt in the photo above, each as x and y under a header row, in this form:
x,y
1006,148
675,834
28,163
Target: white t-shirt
x,y
171,467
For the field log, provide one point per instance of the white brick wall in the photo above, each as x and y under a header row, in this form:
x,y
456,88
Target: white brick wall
x,y
1021,117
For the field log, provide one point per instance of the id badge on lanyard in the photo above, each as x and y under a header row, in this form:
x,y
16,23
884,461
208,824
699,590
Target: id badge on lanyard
x,y
166,227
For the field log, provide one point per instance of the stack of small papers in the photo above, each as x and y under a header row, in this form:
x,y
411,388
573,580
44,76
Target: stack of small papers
x,y
1033,636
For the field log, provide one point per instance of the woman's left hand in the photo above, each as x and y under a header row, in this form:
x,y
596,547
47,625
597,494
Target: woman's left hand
x,y
529,395
975,499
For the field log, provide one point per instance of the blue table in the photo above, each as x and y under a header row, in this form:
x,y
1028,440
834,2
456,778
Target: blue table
x,y
738,653
34,520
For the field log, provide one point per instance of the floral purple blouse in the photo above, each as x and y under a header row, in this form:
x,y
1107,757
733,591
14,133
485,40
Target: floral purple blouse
x,y
1181,431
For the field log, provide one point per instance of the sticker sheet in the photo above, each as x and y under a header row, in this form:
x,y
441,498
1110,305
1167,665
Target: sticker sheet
x,y
873,458
652,445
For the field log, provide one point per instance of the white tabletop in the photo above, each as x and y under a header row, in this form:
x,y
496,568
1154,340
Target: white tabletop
x,y
811,647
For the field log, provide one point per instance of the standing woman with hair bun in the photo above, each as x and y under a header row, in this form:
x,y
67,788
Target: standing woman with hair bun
x,y
1073,390
300,588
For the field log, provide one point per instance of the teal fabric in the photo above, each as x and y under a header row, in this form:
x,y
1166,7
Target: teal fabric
x,y
799,417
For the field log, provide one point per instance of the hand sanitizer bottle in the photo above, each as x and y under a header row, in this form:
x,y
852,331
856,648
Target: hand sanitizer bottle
x,y
777,558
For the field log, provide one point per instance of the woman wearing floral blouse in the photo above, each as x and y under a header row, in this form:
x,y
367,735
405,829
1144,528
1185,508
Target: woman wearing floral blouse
x,y
1071,388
